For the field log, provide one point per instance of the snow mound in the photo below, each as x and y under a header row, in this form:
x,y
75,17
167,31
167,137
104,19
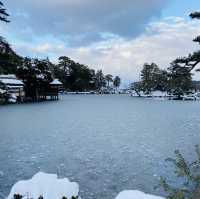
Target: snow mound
x,y
131,194
46,185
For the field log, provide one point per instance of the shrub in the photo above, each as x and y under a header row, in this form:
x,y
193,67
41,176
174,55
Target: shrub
x,y
189,173
18,196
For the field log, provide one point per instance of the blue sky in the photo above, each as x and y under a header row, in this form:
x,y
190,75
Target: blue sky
x,y
116,36
181,7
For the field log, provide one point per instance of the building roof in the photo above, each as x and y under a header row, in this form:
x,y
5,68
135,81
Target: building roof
x,y
2,91
10,76
11,81
56,82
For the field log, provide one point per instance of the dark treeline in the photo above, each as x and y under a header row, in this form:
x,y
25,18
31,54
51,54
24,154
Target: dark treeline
x,y
177,79
73,75
39,72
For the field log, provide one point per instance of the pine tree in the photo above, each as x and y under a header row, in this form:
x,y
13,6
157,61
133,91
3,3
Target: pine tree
x,y
3,14
189,173
180,80
149,77
192,60
109,78
117,82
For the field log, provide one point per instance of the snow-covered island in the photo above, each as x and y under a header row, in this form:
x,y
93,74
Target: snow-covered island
x,y
49,186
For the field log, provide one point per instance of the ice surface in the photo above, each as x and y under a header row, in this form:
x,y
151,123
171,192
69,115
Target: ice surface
x,y
107,143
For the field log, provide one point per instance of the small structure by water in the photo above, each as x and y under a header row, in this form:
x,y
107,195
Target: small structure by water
x,y
14,90
13,87
51,91
54,88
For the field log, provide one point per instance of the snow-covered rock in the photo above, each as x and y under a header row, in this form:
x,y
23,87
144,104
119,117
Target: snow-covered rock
x,y
131,194
47,185
51,187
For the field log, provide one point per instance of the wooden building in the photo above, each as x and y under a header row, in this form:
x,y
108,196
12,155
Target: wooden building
x,y
51,91
13,87
54,88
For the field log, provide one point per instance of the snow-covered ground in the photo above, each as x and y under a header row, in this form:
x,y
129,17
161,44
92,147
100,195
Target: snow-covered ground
x,y
164,95
51,187
131,194
47,185
153,94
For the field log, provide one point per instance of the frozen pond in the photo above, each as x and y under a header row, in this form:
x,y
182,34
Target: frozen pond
x,y
105,143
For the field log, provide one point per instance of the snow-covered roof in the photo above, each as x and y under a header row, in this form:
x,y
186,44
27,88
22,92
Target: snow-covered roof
x,y
10,76
47,185
2,91
40,76
56,82
18,86
11,81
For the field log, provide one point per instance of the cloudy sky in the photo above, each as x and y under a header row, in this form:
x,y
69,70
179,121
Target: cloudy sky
x,y
117,36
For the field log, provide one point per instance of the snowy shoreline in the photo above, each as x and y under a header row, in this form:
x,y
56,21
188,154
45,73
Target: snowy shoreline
x,y
166,96
51,187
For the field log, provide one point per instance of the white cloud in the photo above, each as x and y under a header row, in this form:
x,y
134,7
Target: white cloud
x,y
82,21
162,42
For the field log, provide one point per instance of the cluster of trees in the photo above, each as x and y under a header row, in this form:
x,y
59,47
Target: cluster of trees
x,y
152,78
36,73
74,76
7,55
177,79
78,77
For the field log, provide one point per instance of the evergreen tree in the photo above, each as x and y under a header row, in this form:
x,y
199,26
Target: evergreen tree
x,y
189,176
109,78
195,15
193,59
152,78
180,80
137,87
36,75
3,14
149,77
162,80
117,82
100,80
9,60
74,76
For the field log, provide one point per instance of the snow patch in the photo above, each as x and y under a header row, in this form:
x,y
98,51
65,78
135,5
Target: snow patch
x,y
56,82
12,81
131,194
46,185
51,187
